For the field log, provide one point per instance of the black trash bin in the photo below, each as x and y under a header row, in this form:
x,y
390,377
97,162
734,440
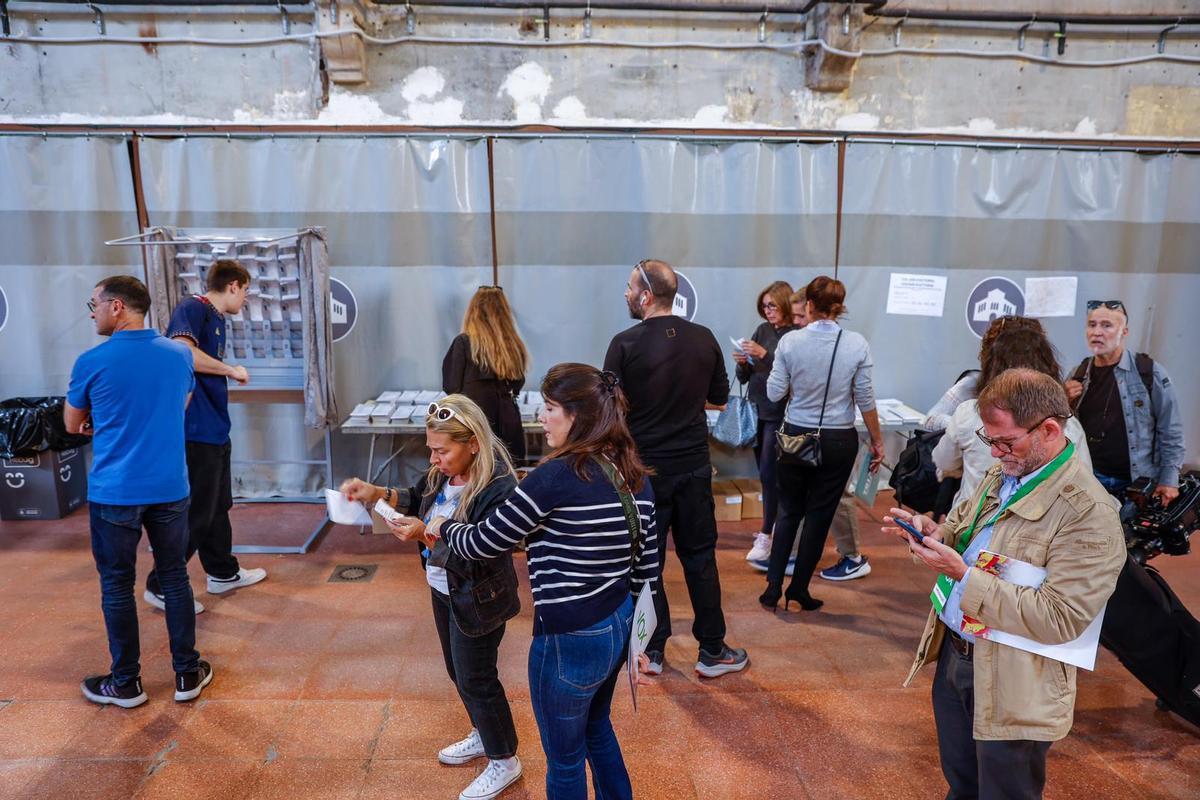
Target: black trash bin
x,y
43,471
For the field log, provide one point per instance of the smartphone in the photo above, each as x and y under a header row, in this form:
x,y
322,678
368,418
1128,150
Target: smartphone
x,y
916,534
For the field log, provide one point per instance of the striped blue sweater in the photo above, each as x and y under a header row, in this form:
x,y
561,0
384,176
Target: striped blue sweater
x,y
578,544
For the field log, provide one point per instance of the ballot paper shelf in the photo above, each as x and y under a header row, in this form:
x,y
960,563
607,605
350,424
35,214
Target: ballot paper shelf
x,y
266,336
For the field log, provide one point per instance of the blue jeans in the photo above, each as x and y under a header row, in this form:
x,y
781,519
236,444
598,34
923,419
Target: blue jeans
x,y
116,531
571,681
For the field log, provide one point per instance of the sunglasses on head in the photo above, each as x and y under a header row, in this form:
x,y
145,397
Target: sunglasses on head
x,y
645,278
443,413
1092,305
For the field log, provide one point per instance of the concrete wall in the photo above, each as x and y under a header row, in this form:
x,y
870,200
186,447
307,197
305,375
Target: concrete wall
x,y
586,84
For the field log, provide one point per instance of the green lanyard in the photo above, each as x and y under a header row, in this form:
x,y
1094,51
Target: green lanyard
x,y
943,587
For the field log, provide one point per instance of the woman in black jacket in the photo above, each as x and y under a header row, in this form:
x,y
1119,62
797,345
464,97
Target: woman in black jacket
x,y
470,475
754,363
487,363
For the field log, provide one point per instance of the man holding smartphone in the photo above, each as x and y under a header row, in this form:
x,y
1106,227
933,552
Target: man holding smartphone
x,y
1039,505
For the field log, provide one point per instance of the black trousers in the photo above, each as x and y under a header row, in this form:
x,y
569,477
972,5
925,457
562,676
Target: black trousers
x,y
810,495
471,664
766,454
988,770
209,531
684,505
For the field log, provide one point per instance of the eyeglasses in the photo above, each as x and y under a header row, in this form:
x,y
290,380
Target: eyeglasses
x,y
91,304
1092,305
645,278
1005,446
769,307
442,413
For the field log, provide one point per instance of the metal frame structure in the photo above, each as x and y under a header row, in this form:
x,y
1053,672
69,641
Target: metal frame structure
x,y
271,394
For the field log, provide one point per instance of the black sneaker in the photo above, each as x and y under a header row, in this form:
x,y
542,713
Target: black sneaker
x,y
656,662
728,660
188,685
103,689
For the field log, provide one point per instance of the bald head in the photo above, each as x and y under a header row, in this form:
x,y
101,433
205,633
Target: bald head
x,y
662,281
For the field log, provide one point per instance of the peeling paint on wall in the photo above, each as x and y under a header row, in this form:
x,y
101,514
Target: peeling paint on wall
x,y
528,86
419,89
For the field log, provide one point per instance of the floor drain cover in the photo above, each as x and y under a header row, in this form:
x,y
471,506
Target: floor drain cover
x,y
353,573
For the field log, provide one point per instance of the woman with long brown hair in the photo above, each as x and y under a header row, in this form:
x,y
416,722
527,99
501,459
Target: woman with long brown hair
x,y
587,515
487,363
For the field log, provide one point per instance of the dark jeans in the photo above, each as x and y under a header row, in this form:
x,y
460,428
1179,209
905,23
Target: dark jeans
x,y
684,503
116,531
571,681
766,453
209,530
471,664
988,770
810,495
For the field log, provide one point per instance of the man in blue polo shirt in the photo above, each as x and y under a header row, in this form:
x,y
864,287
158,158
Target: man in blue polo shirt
x,y
198,322
131,393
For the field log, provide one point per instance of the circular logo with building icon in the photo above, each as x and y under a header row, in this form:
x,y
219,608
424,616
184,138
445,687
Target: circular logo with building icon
x,y
3,308
686,301
343,309
991,298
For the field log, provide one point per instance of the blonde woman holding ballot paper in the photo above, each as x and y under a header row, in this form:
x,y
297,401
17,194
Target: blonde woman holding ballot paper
x,y
470,475
1039,505
587,513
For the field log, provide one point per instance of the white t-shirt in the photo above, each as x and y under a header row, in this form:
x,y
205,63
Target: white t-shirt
x,y
443,506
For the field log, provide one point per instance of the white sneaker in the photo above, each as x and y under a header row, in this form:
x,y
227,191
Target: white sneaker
x,y
494,779
762,548
463,751
158,602
245,577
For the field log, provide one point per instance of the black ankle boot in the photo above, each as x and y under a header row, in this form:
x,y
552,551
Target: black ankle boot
x,y
770,598
801,596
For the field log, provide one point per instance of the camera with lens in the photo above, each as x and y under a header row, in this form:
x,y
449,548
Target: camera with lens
x,y
1154,529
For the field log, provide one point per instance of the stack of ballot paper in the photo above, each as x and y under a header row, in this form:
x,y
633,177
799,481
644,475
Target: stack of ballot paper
x,y
428,396
529,411
361,413
409,396
402,413
389,397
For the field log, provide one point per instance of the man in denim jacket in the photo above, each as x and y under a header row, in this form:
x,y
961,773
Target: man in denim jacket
x,y
1132,432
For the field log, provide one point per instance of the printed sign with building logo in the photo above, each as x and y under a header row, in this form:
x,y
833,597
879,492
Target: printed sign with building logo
x,y
991,298
686,301
343,309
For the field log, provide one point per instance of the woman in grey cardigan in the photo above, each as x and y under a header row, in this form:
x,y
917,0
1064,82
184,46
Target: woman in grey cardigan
x,y
827,371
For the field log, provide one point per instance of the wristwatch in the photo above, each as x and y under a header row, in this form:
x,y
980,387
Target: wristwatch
x,y
387,495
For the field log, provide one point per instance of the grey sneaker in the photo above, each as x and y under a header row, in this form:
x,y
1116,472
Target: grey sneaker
x,y
656,662
714,665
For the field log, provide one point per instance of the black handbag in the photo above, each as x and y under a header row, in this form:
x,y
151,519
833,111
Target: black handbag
x,y
804,449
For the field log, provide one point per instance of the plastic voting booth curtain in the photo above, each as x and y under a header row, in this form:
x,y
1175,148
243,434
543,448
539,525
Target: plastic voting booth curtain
x,y
1034,231
60,199
573,215
407,228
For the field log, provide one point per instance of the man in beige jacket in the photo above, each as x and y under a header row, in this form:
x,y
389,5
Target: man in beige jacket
x,y
998,708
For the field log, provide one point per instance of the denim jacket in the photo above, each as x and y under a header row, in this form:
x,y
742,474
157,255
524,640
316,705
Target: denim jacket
x,y
483,594
1152,423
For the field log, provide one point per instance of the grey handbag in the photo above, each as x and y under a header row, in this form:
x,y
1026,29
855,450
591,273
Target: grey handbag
x,y
738,422
804,449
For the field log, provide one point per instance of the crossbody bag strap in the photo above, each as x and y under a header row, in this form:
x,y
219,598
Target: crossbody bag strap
x,y
828,378
628,505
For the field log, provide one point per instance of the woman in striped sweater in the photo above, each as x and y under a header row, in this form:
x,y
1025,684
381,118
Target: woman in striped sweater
x,y
587,514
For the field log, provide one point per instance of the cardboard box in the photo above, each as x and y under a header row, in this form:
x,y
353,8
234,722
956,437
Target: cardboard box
x,y
46,485
752,499
728,500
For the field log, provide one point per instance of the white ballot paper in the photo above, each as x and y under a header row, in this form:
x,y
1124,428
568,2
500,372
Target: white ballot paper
x,y
1080,652
345,512
644,622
